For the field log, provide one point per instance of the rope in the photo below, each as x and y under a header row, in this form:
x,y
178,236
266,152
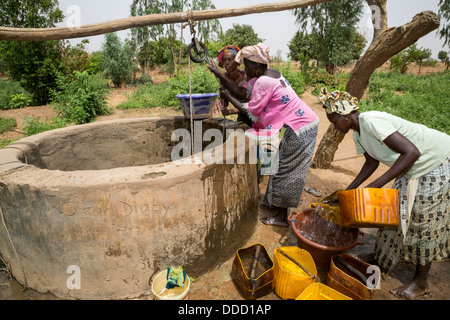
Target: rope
x,y
20,168
14,248
191,109
192,24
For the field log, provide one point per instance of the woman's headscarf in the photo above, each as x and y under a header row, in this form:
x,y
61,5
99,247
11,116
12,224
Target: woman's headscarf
x,y
339,102
257,53
230,48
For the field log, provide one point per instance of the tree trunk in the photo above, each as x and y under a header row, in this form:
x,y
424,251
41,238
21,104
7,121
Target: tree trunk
x,y
387,42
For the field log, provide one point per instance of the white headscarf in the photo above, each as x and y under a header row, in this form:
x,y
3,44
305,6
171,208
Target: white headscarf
x,y
257,53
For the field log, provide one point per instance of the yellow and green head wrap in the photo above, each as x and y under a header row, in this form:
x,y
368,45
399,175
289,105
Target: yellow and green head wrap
x,y
339,102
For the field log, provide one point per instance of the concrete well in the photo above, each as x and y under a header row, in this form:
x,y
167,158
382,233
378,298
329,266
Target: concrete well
x,y
95,211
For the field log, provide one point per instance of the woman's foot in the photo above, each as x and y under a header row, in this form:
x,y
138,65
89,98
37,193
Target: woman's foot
x,y
279,220
417,287
410,291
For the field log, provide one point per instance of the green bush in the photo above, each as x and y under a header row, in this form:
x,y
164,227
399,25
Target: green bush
x,y
7,124
202,81
148,96
82,98
4,143
320,78
12,95
293,75
19,100
34,126
118,61
163,94
144,78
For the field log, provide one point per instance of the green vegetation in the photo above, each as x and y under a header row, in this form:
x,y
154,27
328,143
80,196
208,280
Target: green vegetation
x,y
163,95
81,98
148,96
34,64
34,126
12,95
7,124
75,82
293,75
328,33
421,99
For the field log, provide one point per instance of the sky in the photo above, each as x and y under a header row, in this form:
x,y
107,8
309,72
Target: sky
x,y
276,28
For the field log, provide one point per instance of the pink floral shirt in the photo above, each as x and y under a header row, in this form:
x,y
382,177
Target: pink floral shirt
x,y
274,104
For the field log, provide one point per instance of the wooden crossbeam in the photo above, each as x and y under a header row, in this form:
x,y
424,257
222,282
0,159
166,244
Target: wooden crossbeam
x,y
58,33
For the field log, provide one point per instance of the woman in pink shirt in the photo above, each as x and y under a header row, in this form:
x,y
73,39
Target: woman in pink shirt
x,y
274,105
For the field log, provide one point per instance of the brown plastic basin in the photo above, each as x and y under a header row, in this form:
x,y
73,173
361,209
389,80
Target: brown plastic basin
x,y
321,253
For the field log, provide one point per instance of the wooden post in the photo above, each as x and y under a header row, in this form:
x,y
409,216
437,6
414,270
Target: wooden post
x,y
42,34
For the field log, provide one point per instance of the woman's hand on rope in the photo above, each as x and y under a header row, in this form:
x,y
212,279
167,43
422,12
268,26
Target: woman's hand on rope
x,y
225,94
214,69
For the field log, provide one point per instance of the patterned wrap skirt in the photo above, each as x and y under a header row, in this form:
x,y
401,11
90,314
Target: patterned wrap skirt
x,y
295,153
425,234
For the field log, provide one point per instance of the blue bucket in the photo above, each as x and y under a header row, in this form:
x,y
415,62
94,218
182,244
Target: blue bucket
x,y
203,104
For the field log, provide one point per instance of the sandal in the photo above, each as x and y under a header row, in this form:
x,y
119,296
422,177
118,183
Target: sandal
x,y
313,191
273,221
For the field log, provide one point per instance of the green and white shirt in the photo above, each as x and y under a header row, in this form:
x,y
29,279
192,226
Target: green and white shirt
x,y
376,126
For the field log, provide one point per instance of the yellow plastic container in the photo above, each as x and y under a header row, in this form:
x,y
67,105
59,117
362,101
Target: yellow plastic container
x,y
328,208
290,280
369,207
319,291
360,208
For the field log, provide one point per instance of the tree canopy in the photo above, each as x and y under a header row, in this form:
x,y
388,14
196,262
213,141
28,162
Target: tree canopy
x,y
240,35
444,15
333,26
35,64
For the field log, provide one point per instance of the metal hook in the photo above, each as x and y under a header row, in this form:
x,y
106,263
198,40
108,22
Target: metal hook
x,y
197,50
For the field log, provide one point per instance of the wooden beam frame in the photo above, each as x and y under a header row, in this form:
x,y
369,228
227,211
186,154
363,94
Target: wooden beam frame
x,y
57,33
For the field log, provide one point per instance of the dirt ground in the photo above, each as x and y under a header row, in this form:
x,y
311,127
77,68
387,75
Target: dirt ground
x,y
217,284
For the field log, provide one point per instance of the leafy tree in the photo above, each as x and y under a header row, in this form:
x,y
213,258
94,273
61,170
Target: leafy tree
x,y
443,56
400,62
146,38
418,55
240,36
118,60
333,23
303,45
140,37
75,57
444,15
34,64
208,30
